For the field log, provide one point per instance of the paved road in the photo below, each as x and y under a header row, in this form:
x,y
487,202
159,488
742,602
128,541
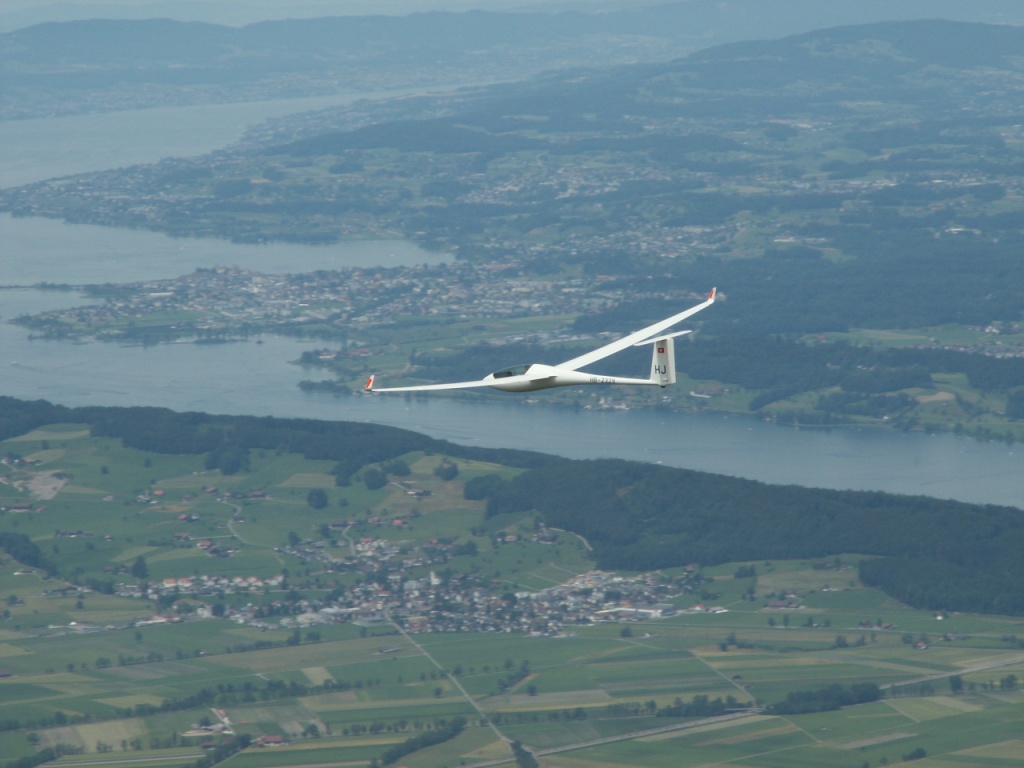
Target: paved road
x,y
943,675
453,680
622,737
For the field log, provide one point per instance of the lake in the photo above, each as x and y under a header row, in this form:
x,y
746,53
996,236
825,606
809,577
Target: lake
x,y
47,148
48,250
258,378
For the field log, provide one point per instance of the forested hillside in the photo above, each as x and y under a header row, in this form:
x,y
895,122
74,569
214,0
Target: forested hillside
x,y
931,553
225,439
934,554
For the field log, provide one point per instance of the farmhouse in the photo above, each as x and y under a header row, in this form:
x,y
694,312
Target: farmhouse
x,y
270,740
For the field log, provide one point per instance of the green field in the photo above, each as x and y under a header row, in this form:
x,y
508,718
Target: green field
x,y
89,672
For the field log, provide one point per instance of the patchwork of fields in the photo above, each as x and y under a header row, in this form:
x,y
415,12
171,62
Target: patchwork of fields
x,y
102,675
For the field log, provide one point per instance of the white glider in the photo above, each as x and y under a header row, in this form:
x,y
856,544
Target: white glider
x,y
534,376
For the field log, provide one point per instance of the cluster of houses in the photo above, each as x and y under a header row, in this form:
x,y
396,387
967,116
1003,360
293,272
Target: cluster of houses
x,y
395,589
460,602
232,300
201,586
452,602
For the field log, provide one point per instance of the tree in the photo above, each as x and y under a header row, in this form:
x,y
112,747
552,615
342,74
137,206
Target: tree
x,y
374,479
1015,404
484,487
317,498
524,758
139,568
447,470
397,467
956,684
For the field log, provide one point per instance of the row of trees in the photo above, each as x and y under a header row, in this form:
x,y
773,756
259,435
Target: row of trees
x,y
224,694
439,735
702,706
827,698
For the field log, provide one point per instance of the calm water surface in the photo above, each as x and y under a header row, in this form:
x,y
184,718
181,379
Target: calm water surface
x,y
46,148
39,250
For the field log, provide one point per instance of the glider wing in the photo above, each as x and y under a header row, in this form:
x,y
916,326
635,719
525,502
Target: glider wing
x,y
507,381
632,339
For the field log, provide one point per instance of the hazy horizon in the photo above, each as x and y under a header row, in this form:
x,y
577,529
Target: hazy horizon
x,y
18,14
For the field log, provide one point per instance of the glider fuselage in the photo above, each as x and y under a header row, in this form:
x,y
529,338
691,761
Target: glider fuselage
x,y
529,378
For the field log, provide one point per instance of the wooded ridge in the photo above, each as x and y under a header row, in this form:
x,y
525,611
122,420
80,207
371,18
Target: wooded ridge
x,y
931,553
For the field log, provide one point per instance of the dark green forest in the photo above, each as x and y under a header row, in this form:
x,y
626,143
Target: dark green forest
x,y
930,553
351,445
902,277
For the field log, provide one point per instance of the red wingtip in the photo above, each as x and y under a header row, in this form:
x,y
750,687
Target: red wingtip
x,y
711,297
369,383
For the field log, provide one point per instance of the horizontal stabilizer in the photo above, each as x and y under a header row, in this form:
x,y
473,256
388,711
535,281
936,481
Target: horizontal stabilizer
x,y
659,338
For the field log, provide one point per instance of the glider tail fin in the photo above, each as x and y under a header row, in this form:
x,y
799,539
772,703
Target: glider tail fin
x,y
663,361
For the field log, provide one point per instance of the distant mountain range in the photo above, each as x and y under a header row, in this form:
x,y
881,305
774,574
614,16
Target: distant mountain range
x,y
116,64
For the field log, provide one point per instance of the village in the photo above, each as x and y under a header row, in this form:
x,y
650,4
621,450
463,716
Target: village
x,y
389,591
230,302
440,602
